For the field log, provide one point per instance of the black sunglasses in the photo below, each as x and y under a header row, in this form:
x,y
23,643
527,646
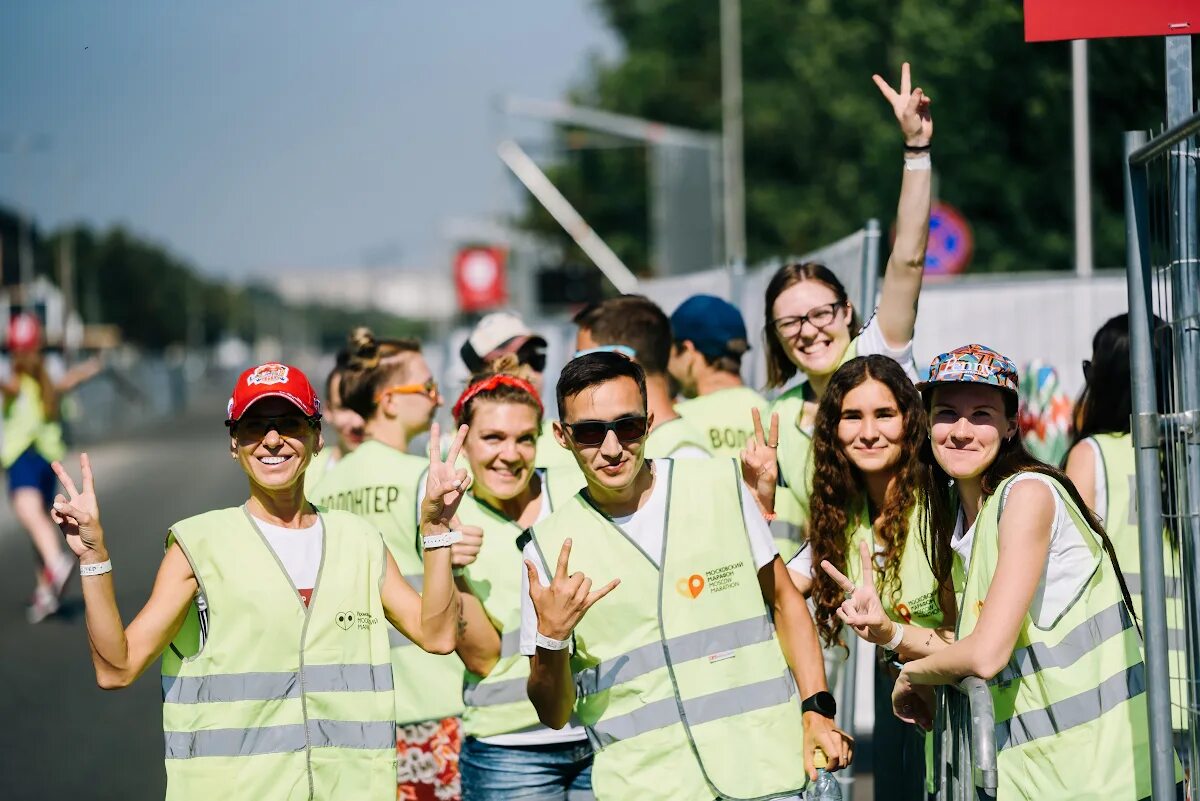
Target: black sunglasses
x,y
252,428
593,432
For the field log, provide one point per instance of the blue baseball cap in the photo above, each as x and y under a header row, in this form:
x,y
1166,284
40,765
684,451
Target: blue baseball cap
x,y
713,325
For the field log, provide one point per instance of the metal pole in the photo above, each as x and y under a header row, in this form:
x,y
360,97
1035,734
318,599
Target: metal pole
x,y
870,269
1145,442
1083,159
731,129
565,214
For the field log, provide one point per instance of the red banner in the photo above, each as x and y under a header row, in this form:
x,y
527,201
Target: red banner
x,y
1052,20
479,277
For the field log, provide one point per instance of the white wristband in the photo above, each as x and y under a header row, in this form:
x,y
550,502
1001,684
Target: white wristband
x,y
551,644
917,163
434,541
96,569
892,644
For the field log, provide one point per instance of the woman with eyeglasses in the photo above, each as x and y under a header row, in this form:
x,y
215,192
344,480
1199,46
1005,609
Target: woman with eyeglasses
x,y
1044,616
812,326
506,752
389,384
271,617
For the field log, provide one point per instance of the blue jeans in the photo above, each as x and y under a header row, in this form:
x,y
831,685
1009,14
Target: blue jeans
x,y
555,772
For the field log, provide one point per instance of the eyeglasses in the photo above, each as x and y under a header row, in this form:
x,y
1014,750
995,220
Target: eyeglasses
x,y
624,350
291,426
593,432
819,316
429,388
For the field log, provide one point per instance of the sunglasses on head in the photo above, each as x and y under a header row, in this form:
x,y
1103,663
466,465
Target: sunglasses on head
x,y
291,425
624,350
533,354
593,432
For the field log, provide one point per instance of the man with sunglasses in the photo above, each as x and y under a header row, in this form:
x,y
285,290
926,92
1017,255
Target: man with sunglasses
x,y
691,693
635,326
705,361
499,334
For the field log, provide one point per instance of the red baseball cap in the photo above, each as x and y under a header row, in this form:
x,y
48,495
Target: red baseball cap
x,y
24,332
272,380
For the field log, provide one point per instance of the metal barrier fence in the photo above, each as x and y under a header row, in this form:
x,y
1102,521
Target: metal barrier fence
x,y
1164,279
964,743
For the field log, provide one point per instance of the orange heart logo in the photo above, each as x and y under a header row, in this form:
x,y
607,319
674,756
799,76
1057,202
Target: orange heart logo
x,y
691,586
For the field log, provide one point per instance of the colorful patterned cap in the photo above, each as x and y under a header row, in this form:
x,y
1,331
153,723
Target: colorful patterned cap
x,y
975,363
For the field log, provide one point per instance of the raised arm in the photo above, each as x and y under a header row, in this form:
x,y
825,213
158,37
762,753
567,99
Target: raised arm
x,y
120,654
897,312
431,618
80,373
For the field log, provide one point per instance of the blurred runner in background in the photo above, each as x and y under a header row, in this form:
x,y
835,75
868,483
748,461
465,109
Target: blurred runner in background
x,y
506,752
812,326
33,438
635,326
389,384
706,360
281,688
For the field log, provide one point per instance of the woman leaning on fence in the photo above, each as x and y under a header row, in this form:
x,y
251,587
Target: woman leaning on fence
x,y
865,530
271,617
1043,613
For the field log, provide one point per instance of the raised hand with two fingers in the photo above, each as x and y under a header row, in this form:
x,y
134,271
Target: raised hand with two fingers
x,y
862,610
563,604
78,513
445,483
911,107
760,462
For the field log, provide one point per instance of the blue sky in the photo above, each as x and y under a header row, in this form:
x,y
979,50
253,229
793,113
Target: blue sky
x,y
256,137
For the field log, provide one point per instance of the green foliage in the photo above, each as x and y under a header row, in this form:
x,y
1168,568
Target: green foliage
x,y
822,151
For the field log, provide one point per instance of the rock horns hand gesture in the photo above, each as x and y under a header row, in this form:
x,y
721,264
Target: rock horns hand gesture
x,y
445,484
911,107
563,604
862,610
77,513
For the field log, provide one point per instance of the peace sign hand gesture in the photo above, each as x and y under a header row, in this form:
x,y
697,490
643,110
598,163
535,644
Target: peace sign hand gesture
x,y
77,513
563,604
760,462
445,484
862,610
911,107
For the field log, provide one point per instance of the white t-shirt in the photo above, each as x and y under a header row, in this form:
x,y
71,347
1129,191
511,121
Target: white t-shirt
x,y
1069,564
298,550
871,341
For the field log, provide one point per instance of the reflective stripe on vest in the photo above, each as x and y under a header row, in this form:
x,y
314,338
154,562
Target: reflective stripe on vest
x,y
280,739
220,688
1173,584
1079,642
1077,710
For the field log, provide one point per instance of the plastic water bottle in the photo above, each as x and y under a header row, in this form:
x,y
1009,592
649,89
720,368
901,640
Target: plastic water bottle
x,y
826,787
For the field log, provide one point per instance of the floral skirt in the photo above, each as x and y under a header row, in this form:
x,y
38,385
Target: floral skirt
x,y
427,761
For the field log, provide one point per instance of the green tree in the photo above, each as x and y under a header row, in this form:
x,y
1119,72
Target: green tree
x,y
821,150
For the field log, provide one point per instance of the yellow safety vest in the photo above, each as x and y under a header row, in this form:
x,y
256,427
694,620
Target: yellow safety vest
x,y
1070,707
550,453
672,435
687,695
381,485
915,601
723,417
25,424
499,704
1121,523
317,467
283,702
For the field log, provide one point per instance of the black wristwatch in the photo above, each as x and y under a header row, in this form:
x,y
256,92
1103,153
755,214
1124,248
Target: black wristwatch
x,y
822,703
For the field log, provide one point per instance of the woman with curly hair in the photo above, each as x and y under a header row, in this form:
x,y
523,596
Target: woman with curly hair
x,y
867,483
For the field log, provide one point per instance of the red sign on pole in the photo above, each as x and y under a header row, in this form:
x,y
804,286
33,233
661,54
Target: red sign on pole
x,y
479,277
1053,20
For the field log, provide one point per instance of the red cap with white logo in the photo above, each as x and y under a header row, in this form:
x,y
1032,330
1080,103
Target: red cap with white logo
x,y
24,332
272,380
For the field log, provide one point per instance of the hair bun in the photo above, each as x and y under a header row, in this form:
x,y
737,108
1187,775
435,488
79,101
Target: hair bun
x,y
363,348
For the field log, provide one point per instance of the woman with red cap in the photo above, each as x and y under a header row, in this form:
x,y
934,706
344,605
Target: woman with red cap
x,y
32,440
271,617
